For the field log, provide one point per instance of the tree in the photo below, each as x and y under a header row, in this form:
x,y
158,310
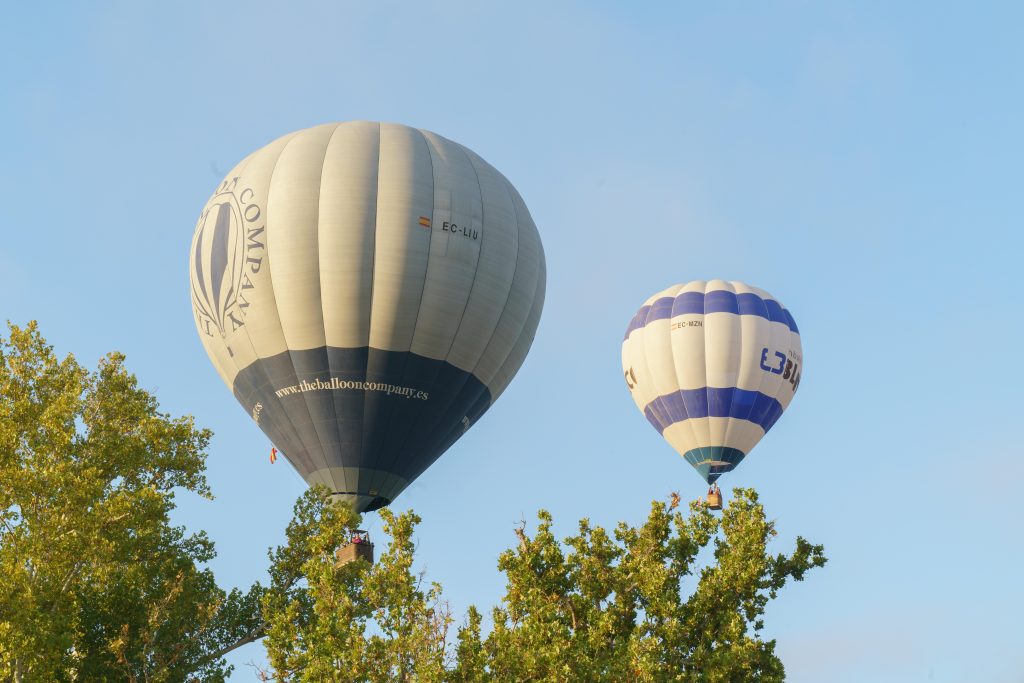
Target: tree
x,y
633,605
329,621
95,582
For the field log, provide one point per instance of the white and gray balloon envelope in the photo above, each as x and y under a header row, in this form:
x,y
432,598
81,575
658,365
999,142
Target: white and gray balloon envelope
x,y
367,291
712,366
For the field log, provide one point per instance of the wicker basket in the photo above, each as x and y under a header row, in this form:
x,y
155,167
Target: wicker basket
x,y
354,551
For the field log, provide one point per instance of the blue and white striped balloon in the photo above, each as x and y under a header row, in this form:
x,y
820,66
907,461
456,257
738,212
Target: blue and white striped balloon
x,y
712,365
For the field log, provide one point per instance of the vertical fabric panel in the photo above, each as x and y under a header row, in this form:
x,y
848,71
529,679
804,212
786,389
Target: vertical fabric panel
x,y
531,249
405,191
293,245
346,234
722,346
495,269
293,241
519,302
518,353
755,336
456,235
688,353
347,229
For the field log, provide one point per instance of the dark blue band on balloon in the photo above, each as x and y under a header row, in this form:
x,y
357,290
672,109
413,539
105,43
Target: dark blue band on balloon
x,y
688,302
383,411
720,301
716,301
740,404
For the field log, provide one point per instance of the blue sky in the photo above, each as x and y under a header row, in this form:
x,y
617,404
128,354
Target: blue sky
x,y
859,161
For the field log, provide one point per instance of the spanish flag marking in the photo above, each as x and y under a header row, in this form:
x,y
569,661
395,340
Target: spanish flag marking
x,y
273,455
425,221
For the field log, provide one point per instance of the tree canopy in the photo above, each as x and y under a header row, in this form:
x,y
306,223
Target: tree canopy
x,y
97,584
632,605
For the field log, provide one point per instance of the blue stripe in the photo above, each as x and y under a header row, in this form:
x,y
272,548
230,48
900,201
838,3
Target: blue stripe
x,y
662,308
638,321
716,301
753,406
751,304
720,301
790,321
688,302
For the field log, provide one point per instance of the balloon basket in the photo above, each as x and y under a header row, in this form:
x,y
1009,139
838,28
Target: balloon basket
x,y
715,501
359,549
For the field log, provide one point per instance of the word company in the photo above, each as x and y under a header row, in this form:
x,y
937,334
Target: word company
x,y
227,253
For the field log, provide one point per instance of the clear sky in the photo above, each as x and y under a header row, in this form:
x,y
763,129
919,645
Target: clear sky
x,y
860,161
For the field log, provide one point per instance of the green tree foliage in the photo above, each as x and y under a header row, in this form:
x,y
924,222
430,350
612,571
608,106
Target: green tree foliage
x,y
96,584
332,621
633,605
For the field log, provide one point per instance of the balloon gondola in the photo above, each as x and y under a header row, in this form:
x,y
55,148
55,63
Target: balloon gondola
x,y
367,291
712,365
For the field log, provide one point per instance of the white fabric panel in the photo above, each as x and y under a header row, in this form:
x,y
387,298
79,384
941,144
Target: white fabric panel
x,y
688,345
657,347
643,390
348,223
693,286
740,434
293,237
682,437
495,270
404,193
520,298
522,346
456,233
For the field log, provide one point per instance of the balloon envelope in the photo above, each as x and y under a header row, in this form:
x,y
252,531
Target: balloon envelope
x,y
367,291
712,365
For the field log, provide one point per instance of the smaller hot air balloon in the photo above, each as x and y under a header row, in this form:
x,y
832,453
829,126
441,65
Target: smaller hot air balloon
x,y
712,365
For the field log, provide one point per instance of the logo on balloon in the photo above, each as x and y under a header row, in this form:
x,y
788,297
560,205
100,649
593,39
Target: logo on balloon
x,y
789,369
226,254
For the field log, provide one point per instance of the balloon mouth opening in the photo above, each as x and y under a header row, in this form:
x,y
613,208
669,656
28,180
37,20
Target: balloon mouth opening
x,y
361,502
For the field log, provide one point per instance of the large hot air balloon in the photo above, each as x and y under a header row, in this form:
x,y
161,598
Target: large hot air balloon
x,y
712,365
367,291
